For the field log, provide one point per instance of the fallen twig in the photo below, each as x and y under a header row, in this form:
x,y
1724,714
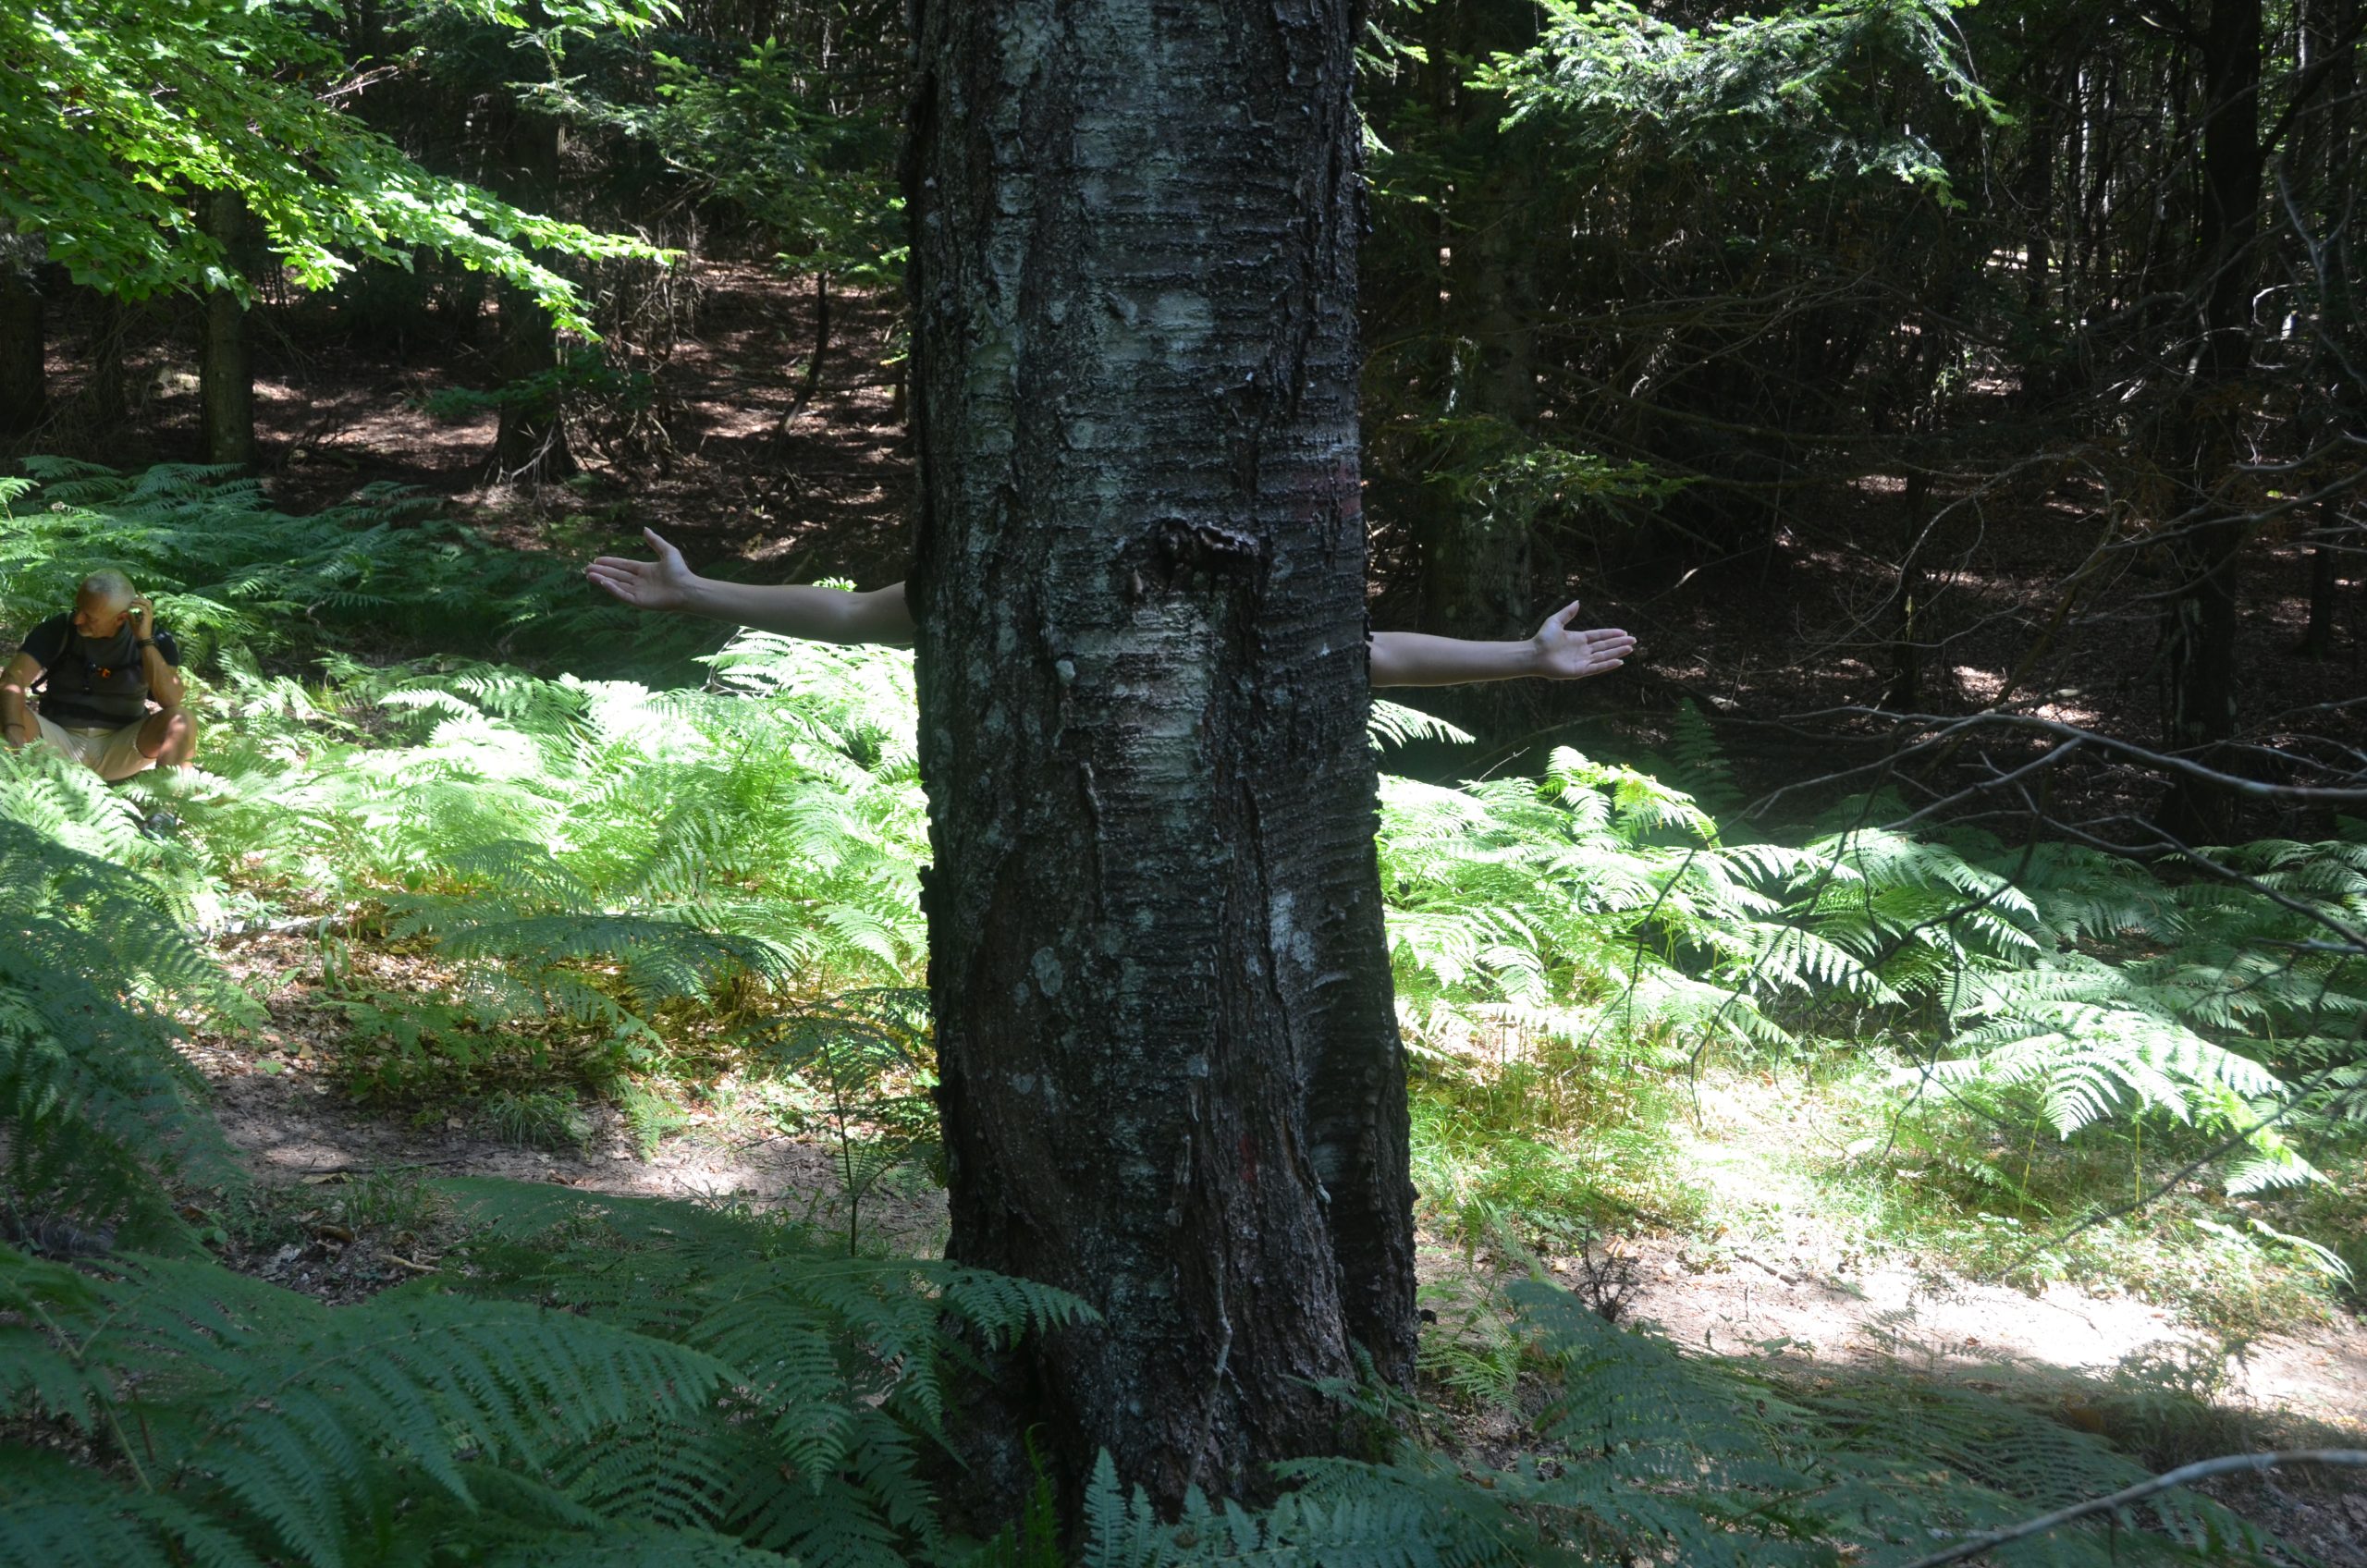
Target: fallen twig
x,y
374,1167
2202,1469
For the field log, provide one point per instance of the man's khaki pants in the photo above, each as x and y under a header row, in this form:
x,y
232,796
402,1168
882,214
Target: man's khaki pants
x,y
115,753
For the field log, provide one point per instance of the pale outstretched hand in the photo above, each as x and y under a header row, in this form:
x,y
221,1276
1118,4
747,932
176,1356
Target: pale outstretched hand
x,y
1564,655
662,585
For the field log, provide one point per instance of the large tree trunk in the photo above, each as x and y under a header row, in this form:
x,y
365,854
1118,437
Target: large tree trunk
x,y
2202,617
225,369
1172,1077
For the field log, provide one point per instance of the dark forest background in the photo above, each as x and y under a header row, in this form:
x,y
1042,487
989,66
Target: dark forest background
x,y
1882,366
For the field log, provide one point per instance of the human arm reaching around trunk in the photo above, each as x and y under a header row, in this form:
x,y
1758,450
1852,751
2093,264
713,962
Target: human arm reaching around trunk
x,y
826,615
1556,652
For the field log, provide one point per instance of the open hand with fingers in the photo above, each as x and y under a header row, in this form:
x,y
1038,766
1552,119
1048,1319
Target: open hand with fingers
x,y
826,615
1564,655
1556,652
662,585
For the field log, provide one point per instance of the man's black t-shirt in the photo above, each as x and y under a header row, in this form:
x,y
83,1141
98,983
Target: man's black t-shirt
x,y
92,682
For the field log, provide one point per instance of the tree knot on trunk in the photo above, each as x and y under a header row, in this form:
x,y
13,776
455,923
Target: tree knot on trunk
x,y
1187,554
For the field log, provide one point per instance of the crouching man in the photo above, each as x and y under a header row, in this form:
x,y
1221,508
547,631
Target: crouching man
x,y
98,668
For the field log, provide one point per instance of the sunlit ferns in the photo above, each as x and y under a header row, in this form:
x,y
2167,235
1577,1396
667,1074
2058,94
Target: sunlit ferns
x,y
1600,907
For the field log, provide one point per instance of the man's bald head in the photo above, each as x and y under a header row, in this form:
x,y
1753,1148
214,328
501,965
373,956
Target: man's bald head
x,y
103,604
109,588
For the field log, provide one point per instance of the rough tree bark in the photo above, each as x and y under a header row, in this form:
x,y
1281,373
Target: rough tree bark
x,y
1172,1077
225,368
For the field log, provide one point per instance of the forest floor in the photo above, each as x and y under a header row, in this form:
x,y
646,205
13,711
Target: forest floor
x,y
1776,1262
1814,1286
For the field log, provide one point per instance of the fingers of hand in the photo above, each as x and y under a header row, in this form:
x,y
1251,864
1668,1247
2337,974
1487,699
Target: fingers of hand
x,y
620,582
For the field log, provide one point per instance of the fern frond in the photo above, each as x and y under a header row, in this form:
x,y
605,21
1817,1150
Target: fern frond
x,y
285,1424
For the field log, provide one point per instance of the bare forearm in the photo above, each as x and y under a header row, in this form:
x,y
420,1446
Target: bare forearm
x,y
826,615
17,717
1415,658
164,681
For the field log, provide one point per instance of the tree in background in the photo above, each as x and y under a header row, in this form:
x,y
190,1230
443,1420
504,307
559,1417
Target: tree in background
x,y
143,135
1629,271
805,151
1661,292
24,371
1171,1076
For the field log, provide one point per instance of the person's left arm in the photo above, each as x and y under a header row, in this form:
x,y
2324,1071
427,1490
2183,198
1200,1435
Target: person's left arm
x,y
1556,652
164,681
16,683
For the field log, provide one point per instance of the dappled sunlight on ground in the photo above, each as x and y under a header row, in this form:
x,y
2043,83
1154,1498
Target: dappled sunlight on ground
x,y
1786,1257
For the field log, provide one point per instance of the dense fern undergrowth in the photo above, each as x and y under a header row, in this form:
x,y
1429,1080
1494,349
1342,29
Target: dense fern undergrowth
x,y
420,741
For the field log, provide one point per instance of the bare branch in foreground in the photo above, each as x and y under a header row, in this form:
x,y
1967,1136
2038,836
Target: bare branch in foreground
x,y
2202,1469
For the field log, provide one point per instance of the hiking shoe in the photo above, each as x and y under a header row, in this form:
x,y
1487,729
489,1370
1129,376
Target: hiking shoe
x,y
159,824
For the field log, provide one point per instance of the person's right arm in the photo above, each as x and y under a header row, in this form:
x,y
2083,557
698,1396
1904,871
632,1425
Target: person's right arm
x,y
825,615
16,712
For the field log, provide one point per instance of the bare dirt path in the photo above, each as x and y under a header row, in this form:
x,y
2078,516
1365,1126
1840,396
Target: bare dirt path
x,y
1819,1312
1960,1328
291,1125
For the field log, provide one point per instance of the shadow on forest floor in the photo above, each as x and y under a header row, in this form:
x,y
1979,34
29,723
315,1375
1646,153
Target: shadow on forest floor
x,y
2144,1376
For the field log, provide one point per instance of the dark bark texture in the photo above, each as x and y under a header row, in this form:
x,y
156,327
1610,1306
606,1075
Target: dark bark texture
x,y
225,368
1172,1077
